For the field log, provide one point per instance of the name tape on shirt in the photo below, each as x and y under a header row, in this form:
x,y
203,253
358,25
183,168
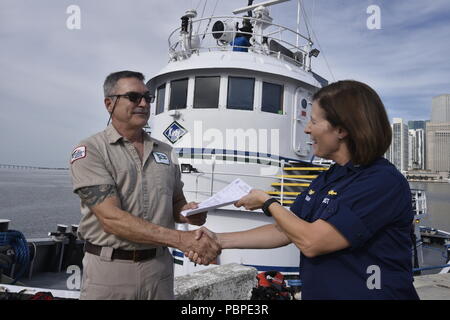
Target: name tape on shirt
x,y
161,158
78,153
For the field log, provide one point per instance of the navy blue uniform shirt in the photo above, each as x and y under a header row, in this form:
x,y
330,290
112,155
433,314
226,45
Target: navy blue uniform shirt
x,y
371,207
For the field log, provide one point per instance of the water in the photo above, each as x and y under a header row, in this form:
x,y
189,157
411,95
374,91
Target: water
x,y
37,200
438,204
438,216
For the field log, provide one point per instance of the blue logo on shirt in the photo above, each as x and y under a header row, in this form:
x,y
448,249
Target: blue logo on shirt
x,y
174,132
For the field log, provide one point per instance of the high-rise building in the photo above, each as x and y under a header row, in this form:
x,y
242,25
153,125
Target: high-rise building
x,y
411,145
416,149
440,109
438,135
388,153
416,124
438,147
399,146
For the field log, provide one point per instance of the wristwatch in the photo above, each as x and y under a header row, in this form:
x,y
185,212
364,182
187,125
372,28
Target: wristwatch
x,y
265,207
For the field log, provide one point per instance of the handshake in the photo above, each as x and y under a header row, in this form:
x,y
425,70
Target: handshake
x,y
201,246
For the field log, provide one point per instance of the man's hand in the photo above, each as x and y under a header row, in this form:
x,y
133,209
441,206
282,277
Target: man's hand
x,y
198,219
199,234
205,247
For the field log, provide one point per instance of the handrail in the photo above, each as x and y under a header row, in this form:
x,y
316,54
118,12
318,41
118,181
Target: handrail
x,y
213,173
247,175
420,201
234,174
431,268
177,47
230,48
237,18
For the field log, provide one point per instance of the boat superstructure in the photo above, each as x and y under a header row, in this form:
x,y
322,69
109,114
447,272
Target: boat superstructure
x,y
233,101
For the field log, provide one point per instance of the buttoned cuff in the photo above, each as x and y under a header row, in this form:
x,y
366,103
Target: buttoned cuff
x,y
349,225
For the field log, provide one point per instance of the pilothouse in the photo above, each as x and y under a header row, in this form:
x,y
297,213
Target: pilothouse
x,y
233,101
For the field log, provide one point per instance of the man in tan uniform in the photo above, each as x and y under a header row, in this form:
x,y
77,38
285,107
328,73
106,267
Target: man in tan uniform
x,y
131,196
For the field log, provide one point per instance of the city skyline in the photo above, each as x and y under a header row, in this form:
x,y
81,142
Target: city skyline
x,y
52,94
423,145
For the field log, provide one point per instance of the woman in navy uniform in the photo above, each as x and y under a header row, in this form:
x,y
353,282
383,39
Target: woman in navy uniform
x,y
353,225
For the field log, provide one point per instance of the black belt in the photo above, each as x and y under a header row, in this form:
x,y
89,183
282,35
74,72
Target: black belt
x,y
135,255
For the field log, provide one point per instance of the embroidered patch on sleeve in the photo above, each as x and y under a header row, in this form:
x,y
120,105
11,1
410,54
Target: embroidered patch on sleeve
x,y
78,153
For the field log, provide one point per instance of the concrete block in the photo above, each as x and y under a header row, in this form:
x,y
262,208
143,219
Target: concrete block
x,y
230,281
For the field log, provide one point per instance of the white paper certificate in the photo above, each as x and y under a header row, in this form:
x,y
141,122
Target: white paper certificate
x,y
228,195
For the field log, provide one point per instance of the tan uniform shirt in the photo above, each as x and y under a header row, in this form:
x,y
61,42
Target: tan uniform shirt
x,y
147,189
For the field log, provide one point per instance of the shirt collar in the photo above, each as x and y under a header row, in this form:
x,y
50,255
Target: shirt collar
x,y
336,171
352,167
113,135
358,167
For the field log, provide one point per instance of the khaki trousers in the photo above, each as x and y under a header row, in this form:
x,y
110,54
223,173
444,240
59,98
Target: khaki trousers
x,y
106,279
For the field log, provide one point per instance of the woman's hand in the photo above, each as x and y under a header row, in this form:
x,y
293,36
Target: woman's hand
x,y
254,200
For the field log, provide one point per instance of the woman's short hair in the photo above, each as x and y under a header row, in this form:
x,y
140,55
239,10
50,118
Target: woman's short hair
x,y
357,108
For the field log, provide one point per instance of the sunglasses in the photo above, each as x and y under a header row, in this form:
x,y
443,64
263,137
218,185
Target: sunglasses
x,y
136,97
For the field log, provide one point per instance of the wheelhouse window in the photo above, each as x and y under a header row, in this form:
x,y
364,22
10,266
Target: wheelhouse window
x,y
160,99
206,93
240,93
178,94
272,98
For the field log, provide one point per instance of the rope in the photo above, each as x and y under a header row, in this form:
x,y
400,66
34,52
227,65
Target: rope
x,y
317,40
306,21
210,19
203,12
16,241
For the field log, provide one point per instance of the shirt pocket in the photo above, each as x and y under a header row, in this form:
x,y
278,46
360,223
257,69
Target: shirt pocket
x,y
165,178
126,179
306,209
326,209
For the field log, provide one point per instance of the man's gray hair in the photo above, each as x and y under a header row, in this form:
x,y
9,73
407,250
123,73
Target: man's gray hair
x,y
111,80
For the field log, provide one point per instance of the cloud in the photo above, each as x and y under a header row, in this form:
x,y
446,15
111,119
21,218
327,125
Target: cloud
x,y
405,61
52,76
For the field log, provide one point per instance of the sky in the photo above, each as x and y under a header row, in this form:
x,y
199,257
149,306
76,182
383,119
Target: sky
x,y
52,76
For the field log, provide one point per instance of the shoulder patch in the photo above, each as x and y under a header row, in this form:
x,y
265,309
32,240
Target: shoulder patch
x,y
78,153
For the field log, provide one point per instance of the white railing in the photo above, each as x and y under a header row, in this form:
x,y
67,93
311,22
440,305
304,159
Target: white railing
x,y
419,201
182,45
213,174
